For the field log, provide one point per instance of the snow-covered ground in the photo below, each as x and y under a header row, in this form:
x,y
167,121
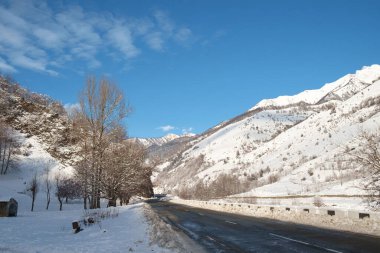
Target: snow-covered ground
x,y
51,232
131,228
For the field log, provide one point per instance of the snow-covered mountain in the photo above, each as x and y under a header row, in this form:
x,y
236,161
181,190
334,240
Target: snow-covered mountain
x,y
289,145
341,89
159,141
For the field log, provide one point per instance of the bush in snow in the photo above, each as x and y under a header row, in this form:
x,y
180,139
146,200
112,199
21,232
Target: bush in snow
x,y
224,185
95,216
367,156
317,201
273,178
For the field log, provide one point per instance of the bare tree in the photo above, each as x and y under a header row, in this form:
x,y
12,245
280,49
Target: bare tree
x,y
367,156
72,189
47,181
33,189
110,166
66,188
125,173
8,146
83,174
102,109
224,185
59,190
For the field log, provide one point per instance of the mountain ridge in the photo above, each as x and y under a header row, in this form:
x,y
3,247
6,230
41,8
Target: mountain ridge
x,y
159,141
365,75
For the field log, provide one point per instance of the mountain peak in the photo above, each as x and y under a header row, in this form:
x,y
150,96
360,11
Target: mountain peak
x,y
366,75
171,136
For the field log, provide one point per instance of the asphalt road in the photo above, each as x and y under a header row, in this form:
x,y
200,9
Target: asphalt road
x,y
224,232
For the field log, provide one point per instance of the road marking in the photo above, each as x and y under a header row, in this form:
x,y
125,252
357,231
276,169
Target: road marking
x,y
188,232
210,238
231,222
201,214
305,243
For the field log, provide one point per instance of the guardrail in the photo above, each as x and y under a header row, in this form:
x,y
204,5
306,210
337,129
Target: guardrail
x,y
326,217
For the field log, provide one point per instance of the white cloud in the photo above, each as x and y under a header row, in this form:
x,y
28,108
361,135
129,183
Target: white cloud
x,y
141,26
121,37
214,37
5,67
166,128
48,38
188,130
164,22
155,41
170,30
11,37
34,36
70,108
183,35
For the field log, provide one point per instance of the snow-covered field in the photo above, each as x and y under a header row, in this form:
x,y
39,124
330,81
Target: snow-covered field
x,y
51,232
131,228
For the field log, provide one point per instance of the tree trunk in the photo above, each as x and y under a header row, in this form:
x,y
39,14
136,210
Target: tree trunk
x,y
85,203
111,202
60,204
8,159
33,198
1,146
3,158
48,201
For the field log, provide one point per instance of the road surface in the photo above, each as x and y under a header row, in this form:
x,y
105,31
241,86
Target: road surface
x,y
224,232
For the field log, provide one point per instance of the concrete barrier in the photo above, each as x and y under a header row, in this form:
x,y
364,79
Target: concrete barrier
x,y
347,220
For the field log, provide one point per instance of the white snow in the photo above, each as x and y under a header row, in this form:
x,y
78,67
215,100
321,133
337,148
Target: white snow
x,y
158,141
366,75
50,231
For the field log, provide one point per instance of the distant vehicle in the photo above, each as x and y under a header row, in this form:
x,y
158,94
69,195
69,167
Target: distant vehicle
x,y
160,196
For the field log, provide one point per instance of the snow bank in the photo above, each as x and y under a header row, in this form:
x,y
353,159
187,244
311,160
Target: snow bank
x,y
51,232
167,236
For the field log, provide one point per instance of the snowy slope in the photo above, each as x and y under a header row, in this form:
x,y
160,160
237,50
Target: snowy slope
x,y
32,160
287,145
40,116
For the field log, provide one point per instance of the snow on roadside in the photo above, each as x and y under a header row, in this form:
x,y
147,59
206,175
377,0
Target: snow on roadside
x,y
165,236
51,232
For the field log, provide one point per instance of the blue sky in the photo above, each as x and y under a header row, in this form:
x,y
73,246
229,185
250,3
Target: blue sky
x,y
186,65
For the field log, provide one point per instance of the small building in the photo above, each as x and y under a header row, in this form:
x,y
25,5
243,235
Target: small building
x,y
8,208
